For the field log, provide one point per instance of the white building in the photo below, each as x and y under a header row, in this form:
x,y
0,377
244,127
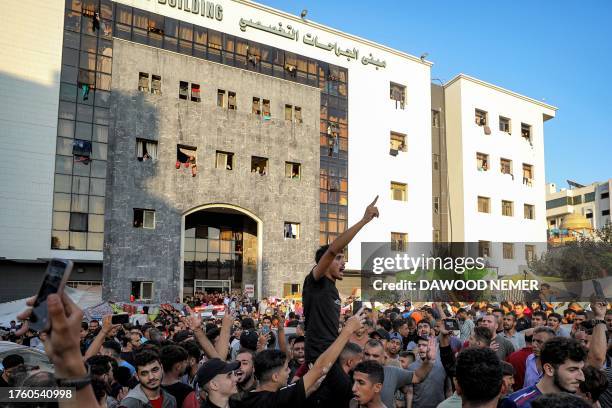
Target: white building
x,y
591,201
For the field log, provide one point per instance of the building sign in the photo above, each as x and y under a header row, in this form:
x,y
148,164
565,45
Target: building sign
x,y
203,7
292,34
249,290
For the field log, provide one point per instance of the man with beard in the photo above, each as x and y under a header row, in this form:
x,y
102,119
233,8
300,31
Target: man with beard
x,y
510,333
297,351
466,324
368,378
174,360
533,364
193,362
148,393
431,391
244,374
503,347
562,362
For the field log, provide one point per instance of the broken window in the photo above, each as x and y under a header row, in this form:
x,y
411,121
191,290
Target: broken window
x,y
259,165
398,191
480,117
526,132
529,211
505,166
298,114
224,160
143,82
508,250
231,100
399,241
504,124
292,230
527,174
144,218
288,112
81,150
186,156
78,221
146,149
256,109
183,90
482,161
397,93
195,93
266,109
292,170
221,98
398,143
156,85
507,208
483,204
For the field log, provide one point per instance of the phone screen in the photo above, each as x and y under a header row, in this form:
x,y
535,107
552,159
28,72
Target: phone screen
x,y
357,305
52,283
121,318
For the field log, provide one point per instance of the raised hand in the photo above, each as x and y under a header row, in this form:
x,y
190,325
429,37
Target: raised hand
x,y
371,211
194,322
355,322
431,348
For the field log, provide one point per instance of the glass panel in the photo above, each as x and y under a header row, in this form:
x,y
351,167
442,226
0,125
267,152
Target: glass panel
x,y
103,98
64,146
72,21
95,241
67,110
63,164
170,44
71,39
77,240
100,134
96,205
84,113
79,203
123,14
83,130
59,240
141,19
61,220
171,27
213,246
96,223
101,116
98,169
139,35
70,57
89,44
97,187
186,31
61,202
105,64
123,31
103,82
79,168
200,35
80,185
62,183
69,74
98,151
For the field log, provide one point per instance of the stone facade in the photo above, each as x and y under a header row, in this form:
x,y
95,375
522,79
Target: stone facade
x,y
136,254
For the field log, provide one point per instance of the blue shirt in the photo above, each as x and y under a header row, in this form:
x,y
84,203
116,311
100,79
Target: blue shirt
x,y
124,363
532,375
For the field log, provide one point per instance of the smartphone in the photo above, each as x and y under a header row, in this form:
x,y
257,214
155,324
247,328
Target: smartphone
x,y
599,293
357,304
56,275
451,324
121,318
265,329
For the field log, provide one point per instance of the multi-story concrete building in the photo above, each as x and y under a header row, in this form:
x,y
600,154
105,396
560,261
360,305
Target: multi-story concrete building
x,y
590,201
173,145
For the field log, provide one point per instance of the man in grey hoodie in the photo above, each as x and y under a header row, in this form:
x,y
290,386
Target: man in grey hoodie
x,y
148,394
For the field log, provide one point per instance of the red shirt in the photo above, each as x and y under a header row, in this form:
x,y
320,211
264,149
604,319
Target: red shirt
x,y
518,359
157,403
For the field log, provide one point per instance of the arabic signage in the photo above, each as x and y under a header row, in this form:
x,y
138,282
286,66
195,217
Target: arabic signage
x,y
203,7
292,34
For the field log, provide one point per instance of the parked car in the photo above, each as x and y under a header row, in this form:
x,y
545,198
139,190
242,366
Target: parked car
x,y
32,357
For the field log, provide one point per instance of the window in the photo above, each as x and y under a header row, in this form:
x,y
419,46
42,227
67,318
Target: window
x,y
506,166
507,208
143,82
605,212
527,174
529,253
292,170
144,218
526,132
508,249
81,150
288,112
221,98
399,241
292,230
195,93
588,197
231,100
435,118
484,248
266,109
559,202
146,149
398,94
291,289
156,85
605,195
576,200
259,165
183,90
398,143
398,191
482,161
298,114
483,204
224,160
436,205
256,110
142,290
480,117
78,222
589,214
504,124
187,156
435,161
529,211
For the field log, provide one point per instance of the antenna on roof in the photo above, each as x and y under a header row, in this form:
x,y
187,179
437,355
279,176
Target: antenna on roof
x,y
573,184
303,14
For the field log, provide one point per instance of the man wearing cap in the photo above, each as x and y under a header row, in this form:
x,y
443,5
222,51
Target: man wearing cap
x,y
217,379
11,363
394,346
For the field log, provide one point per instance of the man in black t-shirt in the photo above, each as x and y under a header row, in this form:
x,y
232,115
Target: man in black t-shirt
x,y
320,295
174,361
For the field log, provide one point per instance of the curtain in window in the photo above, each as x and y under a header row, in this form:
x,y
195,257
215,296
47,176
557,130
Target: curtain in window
x,y
152,150
139,149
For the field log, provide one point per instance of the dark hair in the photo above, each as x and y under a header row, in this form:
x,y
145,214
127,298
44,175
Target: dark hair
x,y
406,353
375,371
556,315
595,382
498,310
181,336
558,349
123,375
511,314
349,350
299,339
100,388
581,313
398,323
170,355
12,360
113,346
213,333
144,357
267,362
100,365
479,373
374,343
385,323
483,334
320,252
421,338
246,351
192,348
424,321
540,313
559,400
247,323
507,368
84,326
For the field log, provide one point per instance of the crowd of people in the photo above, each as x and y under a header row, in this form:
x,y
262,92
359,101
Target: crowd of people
x,y
288,353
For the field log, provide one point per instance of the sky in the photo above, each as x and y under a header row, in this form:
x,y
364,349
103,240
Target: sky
x,y
559,52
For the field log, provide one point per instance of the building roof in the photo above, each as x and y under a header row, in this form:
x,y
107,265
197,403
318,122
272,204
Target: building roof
x,y
575,221
503,90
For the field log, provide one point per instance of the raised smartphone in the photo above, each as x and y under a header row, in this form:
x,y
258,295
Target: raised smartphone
x,y
58,271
